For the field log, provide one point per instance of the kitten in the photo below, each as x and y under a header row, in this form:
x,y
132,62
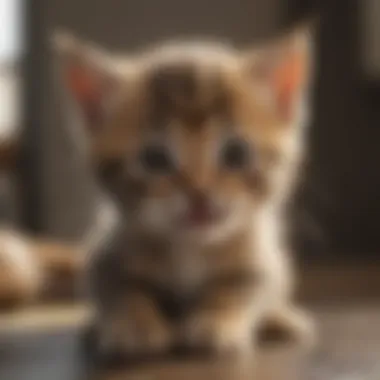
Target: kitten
x,y
198,146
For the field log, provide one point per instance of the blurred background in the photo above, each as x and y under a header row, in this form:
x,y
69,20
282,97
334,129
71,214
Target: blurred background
x,y
46,191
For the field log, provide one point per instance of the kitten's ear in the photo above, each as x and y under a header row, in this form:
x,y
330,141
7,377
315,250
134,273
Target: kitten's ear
x,y
90,77
280,72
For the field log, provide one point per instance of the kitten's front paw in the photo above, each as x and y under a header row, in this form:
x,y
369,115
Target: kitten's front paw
x,y
130,337
219,333
304,327
296,324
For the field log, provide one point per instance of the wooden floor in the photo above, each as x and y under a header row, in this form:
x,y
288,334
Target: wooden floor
x,y
349,350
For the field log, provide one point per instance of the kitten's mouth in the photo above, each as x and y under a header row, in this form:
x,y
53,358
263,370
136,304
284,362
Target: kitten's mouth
x,y
202,215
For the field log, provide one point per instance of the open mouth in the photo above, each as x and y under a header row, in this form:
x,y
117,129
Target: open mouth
x,y
201,216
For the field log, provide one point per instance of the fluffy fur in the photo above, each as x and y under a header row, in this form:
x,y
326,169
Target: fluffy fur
x,y
164,277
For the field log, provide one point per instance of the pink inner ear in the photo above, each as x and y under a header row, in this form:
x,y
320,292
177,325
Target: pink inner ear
x,y
87,91
288,80
82,84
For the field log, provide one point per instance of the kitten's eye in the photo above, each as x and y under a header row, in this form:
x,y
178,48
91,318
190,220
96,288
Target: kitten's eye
x,y
235,154
157,159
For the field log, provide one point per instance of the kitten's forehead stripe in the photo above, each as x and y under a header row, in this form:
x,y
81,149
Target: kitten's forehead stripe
x,y
170,87
175,80
186,92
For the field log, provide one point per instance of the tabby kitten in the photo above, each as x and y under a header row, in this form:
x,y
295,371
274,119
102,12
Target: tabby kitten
x,y
198,145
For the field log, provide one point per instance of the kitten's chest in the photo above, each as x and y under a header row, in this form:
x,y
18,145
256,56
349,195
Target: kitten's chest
x,y
176,268
187,269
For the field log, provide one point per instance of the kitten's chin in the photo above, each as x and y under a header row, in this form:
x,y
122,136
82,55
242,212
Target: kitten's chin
x,y
210,232
205,233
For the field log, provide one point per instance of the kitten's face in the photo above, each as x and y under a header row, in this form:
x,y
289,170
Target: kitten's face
x,y
192,146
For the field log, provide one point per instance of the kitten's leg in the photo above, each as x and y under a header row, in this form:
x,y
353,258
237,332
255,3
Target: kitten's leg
x,y
127,320
225,319
135,327
294,322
